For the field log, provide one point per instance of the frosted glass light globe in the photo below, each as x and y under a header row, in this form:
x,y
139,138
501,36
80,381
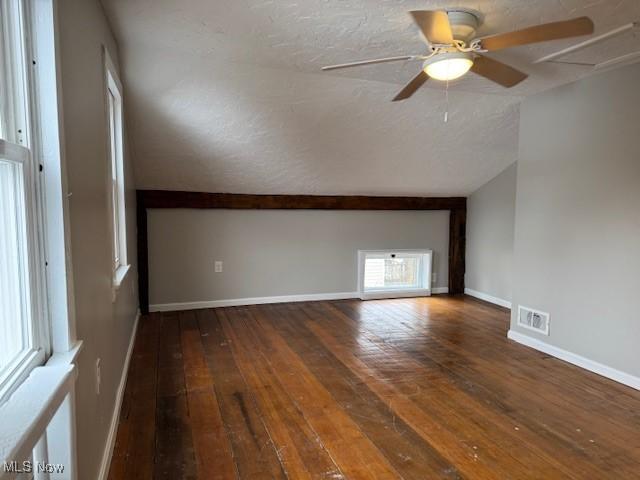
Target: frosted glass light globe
x,y
448,66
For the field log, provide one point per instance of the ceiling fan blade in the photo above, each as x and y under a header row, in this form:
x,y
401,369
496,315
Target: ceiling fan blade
x,y
412,86
434,25
369,62
497,71
539,33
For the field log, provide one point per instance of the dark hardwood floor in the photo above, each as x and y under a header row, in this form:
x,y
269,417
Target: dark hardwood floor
x,y
412,389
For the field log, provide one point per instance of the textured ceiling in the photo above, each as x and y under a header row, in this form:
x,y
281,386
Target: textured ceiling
x,y
228,95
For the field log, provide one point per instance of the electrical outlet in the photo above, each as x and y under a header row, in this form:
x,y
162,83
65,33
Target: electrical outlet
x,y
217,266
434,277
98,376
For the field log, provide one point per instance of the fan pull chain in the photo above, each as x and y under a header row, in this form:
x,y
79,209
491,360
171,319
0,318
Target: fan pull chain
x,y
446,98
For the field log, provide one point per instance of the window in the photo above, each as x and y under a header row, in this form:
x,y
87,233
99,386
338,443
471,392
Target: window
x,y
398,273
116,157
36,398
23,316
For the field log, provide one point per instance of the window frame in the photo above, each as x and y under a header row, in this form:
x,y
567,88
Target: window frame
x,y
426,258
53,384
116,177
22,145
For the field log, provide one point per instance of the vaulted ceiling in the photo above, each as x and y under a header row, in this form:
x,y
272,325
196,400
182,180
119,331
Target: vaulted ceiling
x,y
228,95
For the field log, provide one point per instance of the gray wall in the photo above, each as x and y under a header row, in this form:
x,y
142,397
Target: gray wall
x,y
278,252
577,234
490,224
103,325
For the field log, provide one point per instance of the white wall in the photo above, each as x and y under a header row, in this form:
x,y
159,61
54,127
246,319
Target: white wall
x,y
577,231
278,252
103,325
490,224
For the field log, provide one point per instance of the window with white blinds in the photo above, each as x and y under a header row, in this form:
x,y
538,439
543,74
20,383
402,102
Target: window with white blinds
x,y
23,323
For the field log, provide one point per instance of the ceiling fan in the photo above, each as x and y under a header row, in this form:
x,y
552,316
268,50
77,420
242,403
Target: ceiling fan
x,y
453,49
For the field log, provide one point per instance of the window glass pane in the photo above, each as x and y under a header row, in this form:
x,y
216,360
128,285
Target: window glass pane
x,y
117,187
14,302
114,179
13,75
398,272
374,273
6,108
116,224
4,95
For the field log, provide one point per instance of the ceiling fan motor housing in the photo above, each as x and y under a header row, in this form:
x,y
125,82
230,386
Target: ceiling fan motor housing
x,y
464,23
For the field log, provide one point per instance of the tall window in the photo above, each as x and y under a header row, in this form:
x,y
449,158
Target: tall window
x,y
23,319
116,155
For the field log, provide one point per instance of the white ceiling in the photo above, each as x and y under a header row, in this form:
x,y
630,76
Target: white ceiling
x,y
228,96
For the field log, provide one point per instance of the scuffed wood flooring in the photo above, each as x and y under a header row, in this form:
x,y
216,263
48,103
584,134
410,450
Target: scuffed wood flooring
x,y
422,388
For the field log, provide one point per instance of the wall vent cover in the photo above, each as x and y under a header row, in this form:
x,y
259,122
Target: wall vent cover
x,y
533,320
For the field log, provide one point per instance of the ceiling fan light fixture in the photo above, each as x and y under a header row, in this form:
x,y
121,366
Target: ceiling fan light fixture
x,y
453,48
448,66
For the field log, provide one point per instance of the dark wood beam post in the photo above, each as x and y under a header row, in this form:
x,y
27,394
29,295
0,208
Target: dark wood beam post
x,y
457,249
176,199
143,254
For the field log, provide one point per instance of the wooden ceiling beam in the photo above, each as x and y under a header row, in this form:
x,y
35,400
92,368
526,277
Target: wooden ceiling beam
x,y
178,199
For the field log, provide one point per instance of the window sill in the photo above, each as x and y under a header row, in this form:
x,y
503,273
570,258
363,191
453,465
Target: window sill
x,y
65,358
380,294
118,277
29,411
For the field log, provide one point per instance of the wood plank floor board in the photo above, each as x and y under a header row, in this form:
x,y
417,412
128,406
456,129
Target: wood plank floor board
x,y
220,351
556,393
583,440
214,458
174,456
121,450
174,450
589,382
516,370
351,450
253,450
141,420
479,414
409,454
296,442
397,384
499,370
398,389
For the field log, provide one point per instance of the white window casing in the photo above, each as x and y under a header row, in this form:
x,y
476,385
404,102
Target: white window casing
x,y
24,323
116,183
37,385
394,273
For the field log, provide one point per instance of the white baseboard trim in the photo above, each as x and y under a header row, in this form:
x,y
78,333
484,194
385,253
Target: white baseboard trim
x,y
488,298
439,290
595,367
113,428
238,302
